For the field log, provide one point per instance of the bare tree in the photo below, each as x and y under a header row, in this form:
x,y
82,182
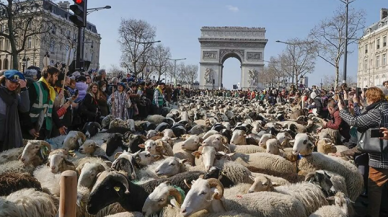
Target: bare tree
x,y
300,56
21,21
159,60
191,73
329,81
136,38
329,36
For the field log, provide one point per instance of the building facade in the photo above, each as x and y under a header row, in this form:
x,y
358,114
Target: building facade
x,y
56,43
372,53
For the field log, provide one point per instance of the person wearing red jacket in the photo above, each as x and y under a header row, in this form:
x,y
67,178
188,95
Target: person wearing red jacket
x,y
336,122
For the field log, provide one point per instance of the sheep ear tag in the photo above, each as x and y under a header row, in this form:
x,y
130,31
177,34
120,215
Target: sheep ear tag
x,y
44,152
117,188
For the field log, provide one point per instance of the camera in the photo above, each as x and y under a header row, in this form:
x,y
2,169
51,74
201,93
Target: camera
x,y
376,133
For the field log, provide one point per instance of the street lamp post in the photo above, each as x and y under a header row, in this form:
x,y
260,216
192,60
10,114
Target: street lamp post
x,y
346,2
175,60
293,59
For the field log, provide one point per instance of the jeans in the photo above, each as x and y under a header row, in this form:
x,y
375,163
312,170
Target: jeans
x,y
377,192
130,113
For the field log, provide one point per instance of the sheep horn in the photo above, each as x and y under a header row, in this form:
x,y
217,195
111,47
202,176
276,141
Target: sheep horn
x,y
218,185
186,183
121,178
175,193
44,143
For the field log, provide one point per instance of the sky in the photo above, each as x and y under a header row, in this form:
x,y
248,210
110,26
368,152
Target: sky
x,y
178,24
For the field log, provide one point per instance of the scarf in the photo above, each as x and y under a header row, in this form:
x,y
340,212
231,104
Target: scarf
x,y
12,132
52,93
120,108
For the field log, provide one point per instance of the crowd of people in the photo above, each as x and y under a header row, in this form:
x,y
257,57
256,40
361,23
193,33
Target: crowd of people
x,y
44,104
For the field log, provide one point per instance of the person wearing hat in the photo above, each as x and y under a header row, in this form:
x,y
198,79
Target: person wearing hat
x,y
13,98
119,102
158,101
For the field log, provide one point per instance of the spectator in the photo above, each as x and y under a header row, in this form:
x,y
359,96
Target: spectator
x,y
119,102
336,122
88,79
82,88
89,108
373,116
318,105
41,118
71,87
158,99
175,94
102,99
11,84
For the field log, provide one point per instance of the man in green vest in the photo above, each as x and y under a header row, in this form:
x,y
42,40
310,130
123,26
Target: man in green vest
x,y
158,100
41,118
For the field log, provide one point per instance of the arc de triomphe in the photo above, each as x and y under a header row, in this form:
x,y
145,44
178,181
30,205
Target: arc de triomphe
x,y
221,43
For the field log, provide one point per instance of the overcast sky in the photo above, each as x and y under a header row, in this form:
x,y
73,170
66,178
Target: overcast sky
x,y
178,24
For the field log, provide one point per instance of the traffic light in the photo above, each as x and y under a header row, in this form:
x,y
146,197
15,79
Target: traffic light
x,y
79,9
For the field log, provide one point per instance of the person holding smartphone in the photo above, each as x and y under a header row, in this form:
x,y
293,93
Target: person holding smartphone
x,y
13,98
378,162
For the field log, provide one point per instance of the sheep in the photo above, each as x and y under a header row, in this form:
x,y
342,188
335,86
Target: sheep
x,y
87,174
256,162
91,128
16,166
273,147
339,209
11,182
209,133
58,161
157,147
218,141
155,119
246,149
92,149
161,197
73,140
106,121
237,190
325,146
127,214
48,179
115,187
317,161
35,152
284,138
198,129
259,180
10,155
28,203
182,153
238,137
192,143
209,194
172,166
264,139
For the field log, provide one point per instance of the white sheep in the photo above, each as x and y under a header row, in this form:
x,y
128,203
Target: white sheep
x,y
238,137
90,148
73,140
162,196
339,209
16,166
10,155
35,152
182,153
28,203
246,149
209,194
313,161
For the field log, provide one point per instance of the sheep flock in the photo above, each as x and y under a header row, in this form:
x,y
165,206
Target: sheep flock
x,y
209,156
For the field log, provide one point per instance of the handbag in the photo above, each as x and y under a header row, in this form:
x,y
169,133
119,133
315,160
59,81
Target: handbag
x,y
374,145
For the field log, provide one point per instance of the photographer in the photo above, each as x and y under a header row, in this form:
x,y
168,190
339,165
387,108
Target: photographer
x,y
378,162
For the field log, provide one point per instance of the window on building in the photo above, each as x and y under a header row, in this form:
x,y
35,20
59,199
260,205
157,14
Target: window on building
x,y
384,41
378,44
52,46
366,48
1,44
29,42
384,59
6,47
377,61
377,80
365,65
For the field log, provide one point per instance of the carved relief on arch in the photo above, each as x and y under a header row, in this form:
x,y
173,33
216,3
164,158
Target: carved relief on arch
x,y
224,52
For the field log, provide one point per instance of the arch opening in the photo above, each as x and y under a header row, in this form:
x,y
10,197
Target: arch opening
x,y
230,70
